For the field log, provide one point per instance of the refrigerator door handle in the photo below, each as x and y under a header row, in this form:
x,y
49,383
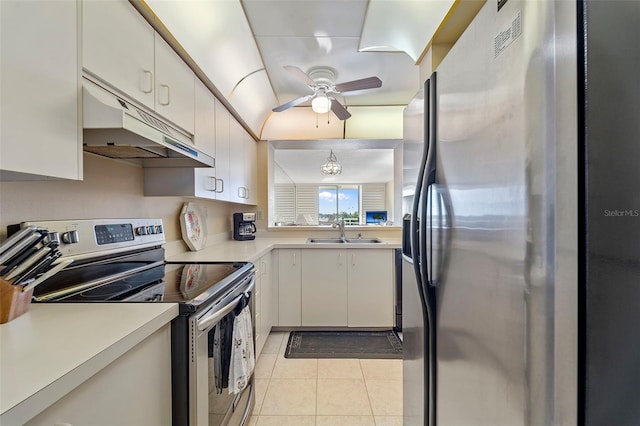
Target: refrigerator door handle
x,y
429,233
429,182
439,234
417,220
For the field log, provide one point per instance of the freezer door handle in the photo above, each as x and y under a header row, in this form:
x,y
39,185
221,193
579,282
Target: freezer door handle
x,y
438,234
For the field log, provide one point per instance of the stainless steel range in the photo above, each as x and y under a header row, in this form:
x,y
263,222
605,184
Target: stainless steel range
x,y
122,260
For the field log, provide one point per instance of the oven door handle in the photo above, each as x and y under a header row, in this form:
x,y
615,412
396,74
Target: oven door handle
x,y
208,320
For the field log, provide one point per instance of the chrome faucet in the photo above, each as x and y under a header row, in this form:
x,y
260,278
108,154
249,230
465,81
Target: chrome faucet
x,y
340,224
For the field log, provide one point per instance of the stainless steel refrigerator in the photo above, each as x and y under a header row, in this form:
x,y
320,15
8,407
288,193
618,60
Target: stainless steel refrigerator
x,y
525,234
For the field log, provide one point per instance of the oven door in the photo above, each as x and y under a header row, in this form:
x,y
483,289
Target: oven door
x,y
210,402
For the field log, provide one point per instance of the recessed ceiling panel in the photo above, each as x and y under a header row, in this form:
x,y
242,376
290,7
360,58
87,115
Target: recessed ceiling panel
x,y
404,25
397,71
342,18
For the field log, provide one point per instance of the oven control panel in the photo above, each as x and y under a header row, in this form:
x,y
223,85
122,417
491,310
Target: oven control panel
x,y
114,233
83,238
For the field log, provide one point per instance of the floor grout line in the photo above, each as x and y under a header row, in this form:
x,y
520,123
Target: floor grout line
x,y
269,382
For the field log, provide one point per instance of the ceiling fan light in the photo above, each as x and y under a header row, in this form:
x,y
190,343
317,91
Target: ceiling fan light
x,y
321,104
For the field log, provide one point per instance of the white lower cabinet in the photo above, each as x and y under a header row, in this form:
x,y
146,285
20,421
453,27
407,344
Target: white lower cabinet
x,y
133,390
324,287
370,297
347,287
289,288
263,301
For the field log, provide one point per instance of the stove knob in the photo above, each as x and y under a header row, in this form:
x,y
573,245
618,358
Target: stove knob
x,y
54,237
151,230
70,237
159,229
141,230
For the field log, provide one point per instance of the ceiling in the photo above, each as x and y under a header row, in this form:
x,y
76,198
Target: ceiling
x,y
242,45
309,34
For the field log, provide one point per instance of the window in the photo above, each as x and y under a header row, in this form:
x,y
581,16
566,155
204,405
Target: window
x,y
324,204
339,202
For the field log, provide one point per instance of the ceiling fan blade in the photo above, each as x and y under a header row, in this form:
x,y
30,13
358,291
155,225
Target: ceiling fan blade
x,y
300,75
365,83
292,103
340,111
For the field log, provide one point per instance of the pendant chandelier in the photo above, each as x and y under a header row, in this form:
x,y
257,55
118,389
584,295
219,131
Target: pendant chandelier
x,y
332,167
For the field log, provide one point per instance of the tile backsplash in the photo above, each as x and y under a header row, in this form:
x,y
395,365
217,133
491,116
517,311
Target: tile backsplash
x,y
110,189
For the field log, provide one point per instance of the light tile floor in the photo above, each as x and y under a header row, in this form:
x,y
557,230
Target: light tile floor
x,y
325,392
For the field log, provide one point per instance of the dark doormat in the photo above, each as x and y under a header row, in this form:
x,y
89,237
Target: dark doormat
x,y
344,344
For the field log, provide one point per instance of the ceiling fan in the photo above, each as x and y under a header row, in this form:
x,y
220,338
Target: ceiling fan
x,y
321,81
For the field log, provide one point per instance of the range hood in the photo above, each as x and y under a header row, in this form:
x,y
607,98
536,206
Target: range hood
x,y
115,128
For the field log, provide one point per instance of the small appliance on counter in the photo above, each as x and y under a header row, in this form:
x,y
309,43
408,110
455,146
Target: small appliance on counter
x,y
244,226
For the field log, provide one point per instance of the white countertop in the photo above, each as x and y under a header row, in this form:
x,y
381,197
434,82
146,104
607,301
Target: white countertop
x,y
251,251
53,348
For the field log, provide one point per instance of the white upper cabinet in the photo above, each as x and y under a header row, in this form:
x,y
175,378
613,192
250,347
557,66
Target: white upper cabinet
x,y
251,169
175,86
40,130
123,50
223,118
118,47
204,136
237,162
243,166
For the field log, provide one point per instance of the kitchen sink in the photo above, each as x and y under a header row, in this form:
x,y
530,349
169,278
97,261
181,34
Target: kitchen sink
x,y
363,240
344,241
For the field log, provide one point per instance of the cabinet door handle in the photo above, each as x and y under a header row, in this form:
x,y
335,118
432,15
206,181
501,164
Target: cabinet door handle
x,y
353,259
294,259
168,97
243,192
147,81
222,185
210,184
339,258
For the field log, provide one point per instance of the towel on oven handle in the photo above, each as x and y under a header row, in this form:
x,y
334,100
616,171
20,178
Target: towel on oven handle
x,y
242,351
220,351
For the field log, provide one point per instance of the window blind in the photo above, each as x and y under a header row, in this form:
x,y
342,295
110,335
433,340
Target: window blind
x,y
307,204
373,196
285,203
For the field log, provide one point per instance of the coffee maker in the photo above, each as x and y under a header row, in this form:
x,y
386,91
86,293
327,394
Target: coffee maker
x,y
244,227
